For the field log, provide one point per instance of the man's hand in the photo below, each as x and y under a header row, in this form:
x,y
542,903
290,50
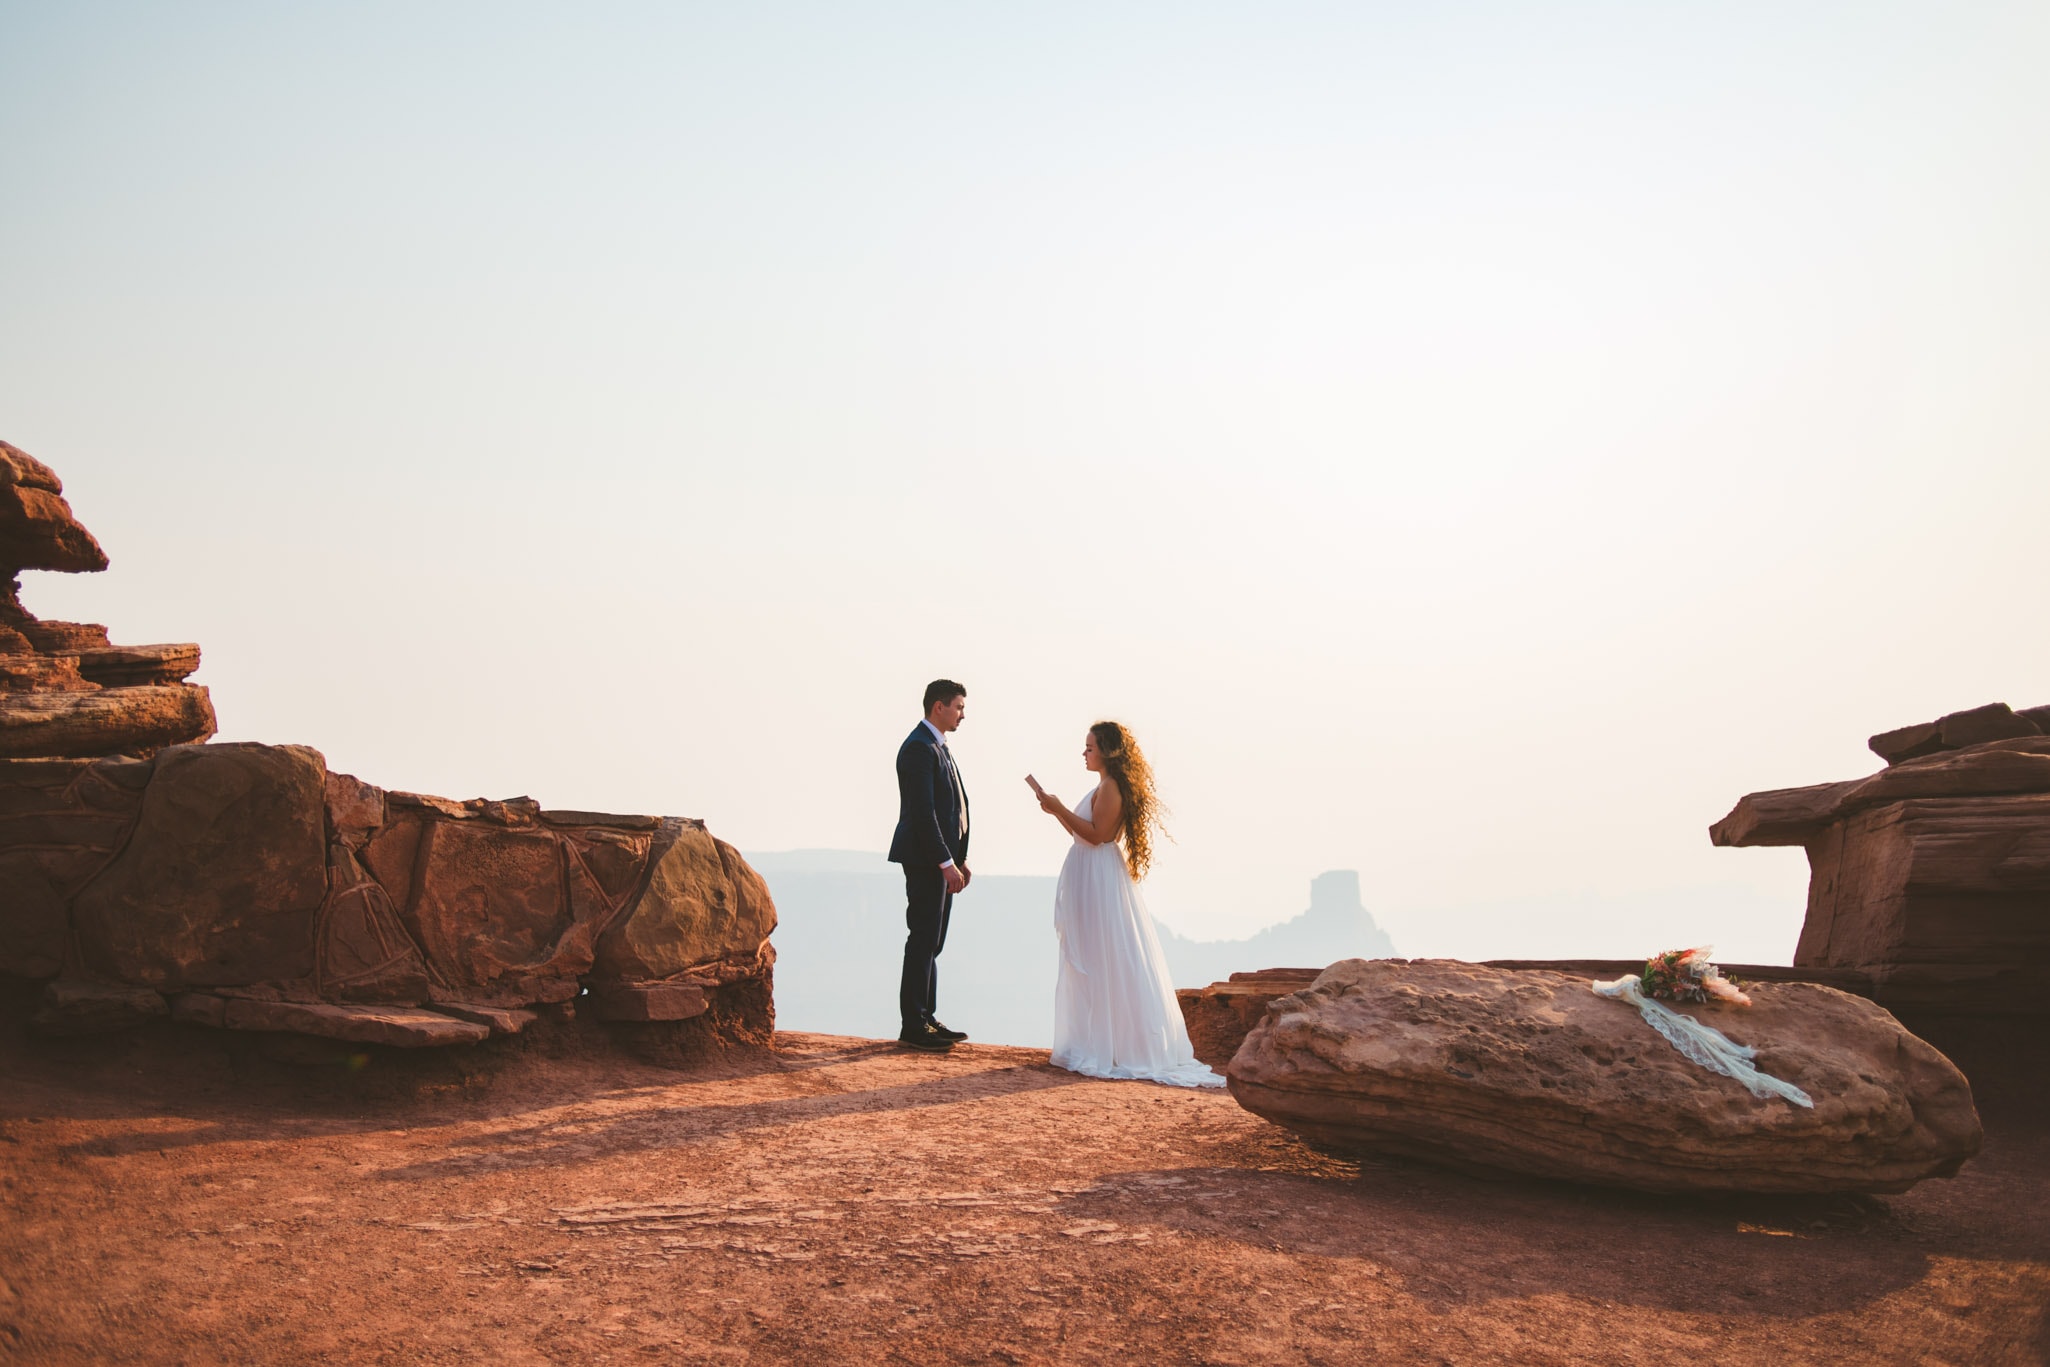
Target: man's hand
x,y
967,877
955,879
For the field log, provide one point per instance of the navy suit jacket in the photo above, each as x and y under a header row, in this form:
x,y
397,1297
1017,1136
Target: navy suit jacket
x,y
932,809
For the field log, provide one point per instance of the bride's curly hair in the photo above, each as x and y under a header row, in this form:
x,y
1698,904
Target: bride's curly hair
x,y
1126,765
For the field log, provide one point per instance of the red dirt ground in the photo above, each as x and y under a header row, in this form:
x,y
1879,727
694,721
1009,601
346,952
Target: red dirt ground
x,y
180,1196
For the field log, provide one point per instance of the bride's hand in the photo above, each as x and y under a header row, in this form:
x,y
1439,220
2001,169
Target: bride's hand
x,y
1049,804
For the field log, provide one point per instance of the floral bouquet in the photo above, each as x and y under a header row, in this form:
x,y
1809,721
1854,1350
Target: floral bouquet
x,y
1686,975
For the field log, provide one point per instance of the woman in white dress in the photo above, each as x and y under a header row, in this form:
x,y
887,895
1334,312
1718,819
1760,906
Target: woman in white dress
x,y
1114,1008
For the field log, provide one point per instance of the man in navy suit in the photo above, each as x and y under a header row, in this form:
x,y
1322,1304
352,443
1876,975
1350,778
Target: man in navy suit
x,y
932,844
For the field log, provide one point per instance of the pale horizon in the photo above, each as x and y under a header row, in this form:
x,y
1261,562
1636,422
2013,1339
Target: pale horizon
x,y
1472,449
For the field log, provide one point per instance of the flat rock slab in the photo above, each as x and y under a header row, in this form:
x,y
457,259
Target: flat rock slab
x,y
74,1007
110,721
500,1020
1530,1072
403,1026
647,1001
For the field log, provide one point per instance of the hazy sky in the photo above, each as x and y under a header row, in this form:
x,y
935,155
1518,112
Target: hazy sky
x,y
1469,444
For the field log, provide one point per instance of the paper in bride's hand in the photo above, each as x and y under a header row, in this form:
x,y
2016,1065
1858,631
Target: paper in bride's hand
x,y
1033,784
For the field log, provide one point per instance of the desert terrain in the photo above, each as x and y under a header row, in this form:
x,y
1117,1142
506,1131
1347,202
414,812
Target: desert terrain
x,y
582,1194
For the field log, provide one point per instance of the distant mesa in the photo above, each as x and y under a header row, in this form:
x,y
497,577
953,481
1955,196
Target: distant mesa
x,y
1336,926
246,886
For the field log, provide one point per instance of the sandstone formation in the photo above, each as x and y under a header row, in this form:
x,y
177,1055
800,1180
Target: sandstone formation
x,y
1932,876
246,886
1528,1071
242,879
1220,1016
64,690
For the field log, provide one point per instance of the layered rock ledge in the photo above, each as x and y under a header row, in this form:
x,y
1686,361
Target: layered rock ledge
x,y
1528,1071
65,689
1932,876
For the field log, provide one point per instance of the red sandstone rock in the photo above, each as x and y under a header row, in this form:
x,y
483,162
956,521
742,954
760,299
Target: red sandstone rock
x,y
1220,1016
354,808
1957,730
647,1001
64,690
127,666
702,902
62,638
200,1008
1994,721
498,1019
1931,877
1909,742
33,918
406,1027
363,953
1531,1072
503,909
74,1007
1781,816
33,673
1795,816
60,822
37,530
251,870
1946,903
44,790
107,721
223,876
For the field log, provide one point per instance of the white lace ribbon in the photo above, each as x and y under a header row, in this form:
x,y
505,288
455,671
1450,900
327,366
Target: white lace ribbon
x,y
1703,1044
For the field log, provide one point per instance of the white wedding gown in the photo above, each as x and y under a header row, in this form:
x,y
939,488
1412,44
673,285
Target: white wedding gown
x,y
1114,1008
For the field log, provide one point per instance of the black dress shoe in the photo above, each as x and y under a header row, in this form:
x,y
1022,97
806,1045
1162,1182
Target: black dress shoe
x,y
951,1036
926,1038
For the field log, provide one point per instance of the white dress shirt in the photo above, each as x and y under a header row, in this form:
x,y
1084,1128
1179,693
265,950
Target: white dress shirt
x,y
941,737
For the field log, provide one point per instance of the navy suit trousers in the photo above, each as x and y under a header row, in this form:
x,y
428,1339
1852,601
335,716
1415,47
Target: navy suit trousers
x,y
927,906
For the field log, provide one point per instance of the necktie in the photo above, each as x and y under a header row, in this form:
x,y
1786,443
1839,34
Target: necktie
x,y
954,780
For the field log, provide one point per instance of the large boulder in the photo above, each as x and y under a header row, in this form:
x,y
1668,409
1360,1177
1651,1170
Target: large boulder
x,y
1528,1071
503,901
244,872
220,881
1220,1016
701,903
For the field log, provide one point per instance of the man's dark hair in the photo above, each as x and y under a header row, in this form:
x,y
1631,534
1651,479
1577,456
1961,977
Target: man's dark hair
x,y
941,690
